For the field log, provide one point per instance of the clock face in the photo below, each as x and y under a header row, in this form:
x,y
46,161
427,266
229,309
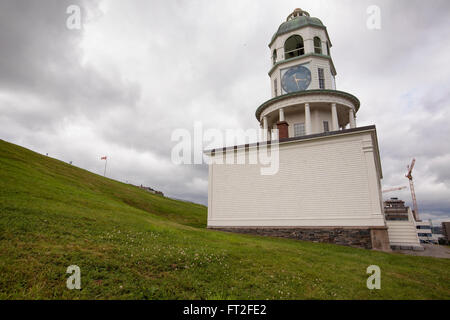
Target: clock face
x,y
296,78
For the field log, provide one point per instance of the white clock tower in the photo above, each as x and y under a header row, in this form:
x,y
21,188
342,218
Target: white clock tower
x,y
327,187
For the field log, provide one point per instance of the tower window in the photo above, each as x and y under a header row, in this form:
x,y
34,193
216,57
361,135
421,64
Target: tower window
x,y
299,129
294,47
275,87
321,78
328,48
317,45
326,127
274,56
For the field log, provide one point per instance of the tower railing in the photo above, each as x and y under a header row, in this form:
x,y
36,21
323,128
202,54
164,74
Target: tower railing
x,y
298,52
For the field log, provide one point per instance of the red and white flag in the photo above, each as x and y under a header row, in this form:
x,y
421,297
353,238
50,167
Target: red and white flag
x,y
103,158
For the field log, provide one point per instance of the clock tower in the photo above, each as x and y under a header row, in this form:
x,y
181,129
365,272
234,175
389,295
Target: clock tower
x,y
325,185
304,96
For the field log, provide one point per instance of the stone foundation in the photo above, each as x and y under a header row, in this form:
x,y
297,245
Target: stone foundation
x,y
360,237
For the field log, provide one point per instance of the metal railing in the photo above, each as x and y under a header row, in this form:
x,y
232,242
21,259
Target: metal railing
x,y
298,51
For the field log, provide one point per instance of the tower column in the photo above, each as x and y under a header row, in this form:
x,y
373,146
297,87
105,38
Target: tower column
x,y
281,113
265,125
265,129
334,118
308,129
351,116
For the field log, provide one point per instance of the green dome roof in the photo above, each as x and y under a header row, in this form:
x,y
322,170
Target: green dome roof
x,y
297,23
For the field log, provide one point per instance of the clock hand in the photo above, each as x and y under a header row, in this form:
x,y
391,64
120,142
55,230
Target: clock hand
x,y
297,80
301,79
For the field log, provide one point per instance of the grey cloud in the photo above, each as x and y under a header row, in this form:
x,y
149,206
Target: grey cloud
x,y
41,59
158,66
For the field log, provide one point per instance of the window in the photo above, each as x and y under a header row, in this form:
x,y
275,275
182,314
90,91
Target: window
x,y
317,45
274,56
321,79
293,47
326,127
299,129
328,48
275,87
424,234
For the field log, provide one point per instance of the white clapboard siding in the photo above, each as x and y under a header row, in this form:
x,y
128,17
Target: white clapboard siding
x,y
331,181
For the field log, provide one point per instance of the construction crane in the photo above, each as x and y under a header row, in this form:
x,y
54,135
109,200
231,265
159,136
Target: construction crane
x,y
394,189
411,187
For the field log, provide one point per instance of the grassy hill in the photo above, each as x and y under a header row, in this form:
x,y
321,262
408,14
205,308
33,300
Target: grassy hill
x,y
131,244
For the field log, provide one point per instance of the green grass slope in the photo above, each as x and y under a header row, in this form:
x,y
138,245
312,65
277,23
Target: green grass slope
x,y
131,244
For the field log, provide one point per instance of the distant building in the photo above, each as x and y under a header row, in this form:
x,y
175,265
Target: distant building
x,y
437,230
151,190
425,233
446,230
394,209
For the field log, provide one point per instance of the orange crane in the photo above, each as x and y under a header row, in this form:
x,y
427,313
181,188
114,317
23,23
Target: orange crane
x,y
394,189
411,187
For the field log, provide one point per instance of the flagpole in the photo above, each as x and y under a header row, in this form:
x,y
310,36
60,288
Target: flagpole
x,y
106,161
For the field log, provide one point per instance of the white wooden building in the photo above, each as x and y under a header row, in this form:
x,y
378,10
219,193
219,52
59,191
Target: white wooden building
x,y
327,186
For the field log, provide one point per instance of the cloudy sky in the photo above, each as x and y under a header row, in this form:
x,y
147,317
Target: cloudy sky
x,y
137,70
